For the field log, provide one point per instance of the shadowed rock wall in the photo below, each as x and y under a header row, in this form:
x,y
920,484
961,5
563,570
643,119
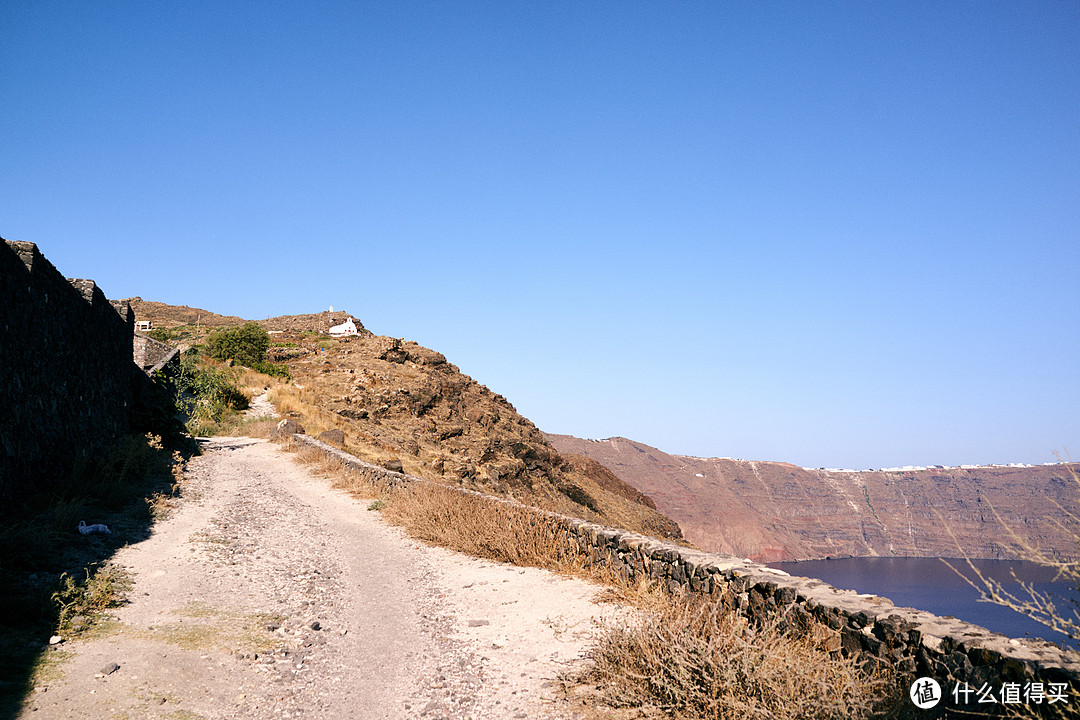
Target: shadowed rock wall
x,y
67,372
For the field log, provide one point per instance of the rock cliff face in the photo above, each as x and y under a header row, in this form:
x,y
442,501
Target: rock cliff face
x,y
771,511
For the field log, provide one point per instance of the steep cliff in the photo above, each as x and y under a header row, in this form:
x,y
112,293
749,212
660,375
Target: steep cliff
x,y
776,511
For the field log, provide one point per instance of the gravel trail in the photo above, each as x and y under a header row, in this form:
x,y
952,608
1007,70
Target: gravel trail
x,y
267,594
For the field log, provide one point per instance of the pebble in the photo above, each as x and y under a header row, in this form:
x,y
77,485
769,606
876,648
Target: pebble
x,y
110,669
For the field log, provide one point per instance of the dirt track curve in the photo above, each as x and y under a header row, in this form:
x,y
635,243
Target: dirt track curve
x,y
269,595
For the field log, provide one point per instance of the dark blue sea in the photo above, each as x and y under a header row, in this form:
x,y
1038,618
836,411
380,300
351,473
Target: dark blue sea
x,y
929,584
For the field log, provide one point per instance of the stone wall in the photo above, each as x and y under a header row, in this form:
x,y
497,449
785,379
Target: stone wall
x,y
66,360
915,642
152,355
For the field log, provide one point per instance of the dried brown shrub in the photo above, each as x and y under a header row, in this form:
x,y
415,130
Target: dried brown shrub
x,y
484,527
692,658
686,658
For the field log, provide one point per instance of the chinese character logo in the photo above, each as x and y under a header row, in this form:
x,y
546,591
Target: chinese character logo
x,y
925,693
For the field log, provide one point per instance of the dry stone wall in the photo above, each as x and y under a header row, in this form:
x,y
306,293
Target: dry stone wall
x,y
66,359
915,642
152,355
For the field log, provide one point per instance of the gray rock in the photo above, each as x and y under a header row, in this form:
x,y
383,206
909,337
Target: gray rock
x,y
286,428
332,437
110,669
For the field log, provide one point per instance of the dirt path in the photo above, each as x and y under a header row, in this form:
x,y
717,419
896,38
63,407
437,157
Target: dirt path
x,y
269,595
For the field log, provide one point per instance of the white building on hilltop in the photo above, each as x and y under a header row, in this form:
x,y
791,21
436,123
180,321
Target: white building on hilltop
x,y
345,329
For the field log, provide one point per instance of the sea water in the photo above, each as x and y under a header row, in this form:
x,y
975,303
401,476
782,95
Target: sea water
x,y
929,584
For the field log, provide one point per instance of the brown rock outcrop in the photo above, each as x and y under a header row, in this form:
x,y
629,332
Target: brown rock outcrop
x,y
405,401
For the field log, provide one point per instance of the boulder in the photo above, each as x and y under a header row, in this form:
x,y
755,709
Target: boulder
x,y
333,437
286,428
422,355
394,465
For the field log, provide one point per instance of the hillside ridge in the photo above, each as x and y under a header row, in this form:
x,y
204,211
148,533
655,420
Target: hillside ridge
x,y
773,511
397,401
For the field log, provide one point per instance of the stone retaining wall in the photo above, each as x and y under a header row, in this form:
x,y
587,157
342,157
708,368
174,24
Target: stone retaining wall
x,y
915,642
65,357
152,355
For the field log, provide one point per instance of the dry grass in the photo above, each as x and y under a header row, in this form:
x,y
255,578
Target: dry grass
x,y
341,475
682,658
301,404
252,382
253,427
291,401
469,523
691,658
487,528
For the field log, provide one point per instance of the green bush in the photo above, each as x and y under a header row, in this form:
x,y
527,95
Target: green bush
x,y
205,394
246,344
274,369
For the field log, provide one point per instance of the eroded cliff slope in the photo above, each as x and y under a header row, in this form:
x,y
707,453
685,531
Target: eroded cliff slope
x,y
776,511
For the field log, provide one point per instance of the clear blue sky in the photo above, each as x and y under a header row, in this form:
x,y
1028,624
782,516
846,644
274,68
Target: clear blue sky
x,y
836,234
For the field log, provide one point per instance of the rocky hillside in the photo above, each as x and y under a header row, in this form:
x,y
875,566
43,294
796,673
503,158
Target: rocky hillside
x,y
173,316
312,322
410,402
776,511
397,401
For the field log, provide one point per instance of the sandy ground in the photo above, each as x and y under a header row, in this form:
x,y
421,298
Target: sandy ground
x,y
267,594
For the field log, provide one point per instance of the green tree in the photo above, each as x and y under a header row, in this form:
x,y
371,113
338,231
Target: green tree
x,y
246,344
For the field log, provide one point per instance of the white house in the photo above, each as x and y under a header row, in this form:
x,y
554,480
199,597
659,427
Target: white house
x,y
345,329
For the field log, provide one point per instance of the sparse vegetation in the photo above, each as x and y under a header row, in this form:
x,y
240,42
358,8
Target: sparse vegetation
x,y
206,394
80,602
684,658
137,467
692,658
484,527
229,630
161,334
1060,614
58,581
